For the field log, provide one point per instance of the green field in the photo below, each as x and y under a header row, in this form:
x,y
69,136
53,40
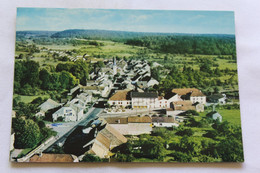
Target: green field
x,y
232,116
28,99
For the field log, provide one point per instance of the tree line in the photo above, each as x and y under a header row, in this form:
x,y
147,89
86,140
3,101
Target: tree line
x,y
191,44
29,77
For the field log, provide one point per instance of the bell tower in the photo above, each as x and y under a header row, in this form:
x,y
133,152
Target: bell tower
x,y
114,66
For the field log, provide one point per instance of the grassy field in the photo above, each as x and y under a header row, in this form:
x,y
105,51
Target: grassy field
x,y
28,99
232,116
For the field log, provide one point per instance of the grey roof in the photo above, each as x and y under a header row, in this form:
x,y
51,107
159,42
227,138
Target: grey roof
x,y
48,104
144,95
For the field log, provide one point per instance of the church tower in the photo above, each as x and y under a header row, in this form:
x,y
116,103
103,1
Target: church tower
x,y
114,66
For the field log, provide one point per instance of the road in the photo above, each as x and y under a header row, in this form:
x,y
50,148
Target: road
x,y
47,145
91,116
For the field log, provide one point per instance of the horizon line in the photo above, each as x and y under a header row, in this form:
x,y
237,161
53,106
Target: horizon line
x,y
130,31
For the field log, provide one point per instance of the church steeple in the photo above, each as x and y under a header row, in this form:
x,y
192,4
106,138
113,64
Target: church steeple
x,y
114,61
114,66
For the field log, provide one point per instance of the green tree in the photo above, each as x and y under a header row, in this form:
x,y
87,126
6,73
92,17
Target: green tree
x,y
124,157
231,150
152,147
45,78
27,133
31,73
67,80
90,158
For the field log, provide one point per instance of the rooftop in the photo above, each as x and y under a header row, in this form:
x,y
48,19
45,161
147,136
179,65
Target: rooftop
x,y
163,119
121,95
48,104
53,158
117,120
185,91
137,119
183,103
144,95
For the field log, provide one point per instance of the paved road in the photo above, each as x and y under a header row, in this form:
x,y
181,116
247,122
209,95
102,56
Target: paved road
x,y
91,116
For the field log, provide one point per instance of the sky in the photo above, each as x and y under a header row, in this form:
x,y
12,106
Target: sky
x,y
164,21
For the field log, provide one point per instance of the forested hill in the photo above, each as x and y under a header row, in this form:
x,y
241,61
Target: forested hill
x,y
103,34
210,44
177,43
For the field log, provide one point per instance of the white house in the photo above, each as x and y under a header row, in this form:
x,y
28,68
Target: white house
x,y
67,113
161,102
171,97
164,122
120,98
152,82
192,94
85,97
216,116
144,100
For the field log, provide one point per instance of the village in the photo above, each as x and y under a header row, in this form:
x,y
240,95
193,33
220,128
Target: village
x,y
118,101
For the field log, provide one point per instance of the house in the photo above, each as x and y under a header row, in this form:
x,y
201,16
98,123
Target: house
x,y
78,106
217,98
192,94
98,139
187,105
106,139
66,113
85,97
215,116
162,102
149,80
152,82
46,106
144,100
74,91
93,89
120,98
53,158
134,125
171,97
164,122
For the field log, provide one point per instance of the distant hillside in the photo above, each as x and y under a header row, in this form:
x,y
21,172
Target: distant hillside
x,y
103,34
208,44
